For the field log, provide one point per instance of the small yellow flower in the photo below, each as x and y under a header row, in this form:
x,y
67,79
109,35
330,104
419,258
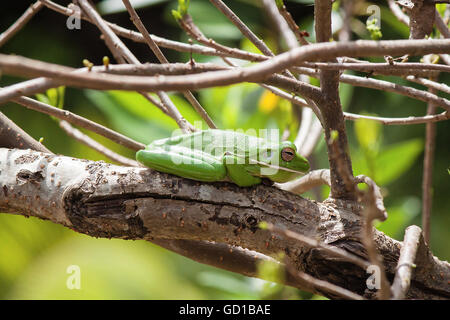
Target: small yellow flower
x,y
268,102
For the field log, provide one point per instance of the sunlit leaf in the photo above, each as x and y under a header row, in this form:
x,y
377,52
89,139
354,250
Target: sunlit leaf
x,y
368,133
268,102
396,160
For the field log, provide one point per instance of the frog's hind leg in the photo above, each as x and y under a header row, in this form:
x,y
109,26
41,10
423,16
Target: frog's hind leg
x,y
184,162
238,173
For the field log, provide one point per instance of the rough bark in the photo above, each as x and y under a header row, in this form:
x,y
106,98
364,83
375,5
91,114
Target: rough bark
x,y
104,200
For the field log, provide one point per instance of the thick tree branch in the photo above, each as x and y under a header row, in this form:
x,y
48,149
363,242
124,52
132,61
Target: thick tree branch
x,y
331,109
104,200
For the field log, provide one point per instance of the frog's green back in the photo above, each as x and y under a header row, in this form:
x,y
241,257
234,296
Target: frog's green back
x,y
216,142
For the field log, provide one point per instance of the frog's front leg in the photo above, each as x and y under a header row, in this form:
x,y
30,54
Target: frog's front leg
x,y
183,162
237,172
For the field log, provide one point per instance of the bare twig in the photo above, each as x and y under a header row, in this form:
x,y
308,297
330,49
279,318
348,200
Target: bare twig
x,y
85,139
337,252
430,84
325,286
79,121
345,34
427,181
408,253
392,87
253,73
154,47
242,27
407,67
398,13
371,211
401,121
12,136
137,37
441,25
118,47
20,23
280,23
300,35
309,181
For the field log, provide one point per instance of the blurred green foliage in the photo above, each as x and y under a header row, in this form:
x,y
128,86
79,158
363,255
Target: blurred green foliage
x,y
35,255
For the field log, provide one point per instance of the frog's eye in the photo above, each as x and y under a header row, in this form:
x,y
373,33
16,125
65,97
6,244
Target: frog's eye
x,y
287,154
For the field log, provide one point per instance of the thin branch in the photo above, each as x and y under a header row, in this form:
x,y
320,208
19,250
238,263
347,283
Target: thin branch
x,y
79,121
309,181
335,251
373,209
398,13
441,25
117,46
345,33
430,84
351,116
28,67
242,27
20,23
88,141
252,73
407,67
300,35
154,47
396,88
401,121
325,286
42,84
12,136
408,253
427,181
281,24
392,87
368,241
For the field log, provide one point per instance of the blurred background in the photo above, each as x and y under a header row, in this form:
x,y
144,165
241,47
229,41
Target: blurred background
x,y
35,254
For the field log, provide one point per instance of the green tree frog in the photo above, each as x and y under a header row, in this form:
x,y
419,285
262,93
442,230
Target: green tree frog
x,y
221,155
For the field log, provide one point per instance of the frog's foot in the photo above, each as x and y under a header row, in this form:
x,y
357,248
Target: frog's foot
x,y
267,182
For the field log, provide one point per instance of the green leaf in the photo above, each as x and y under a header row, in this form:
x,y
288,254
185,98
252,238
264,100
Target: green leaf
x,y
396,160
345,94
400,216
210,20
127,123
279,3
43,98
368,133
374,29
108,269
